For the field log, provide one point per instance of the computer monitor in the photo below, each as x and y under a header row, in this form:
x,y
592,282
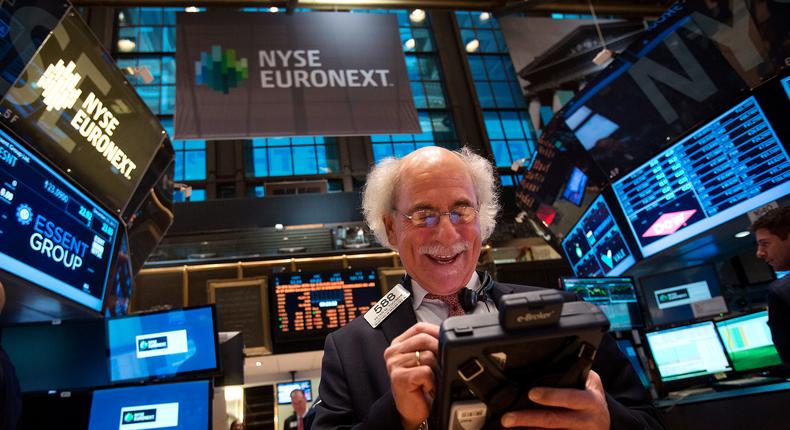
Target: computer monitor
x,y
687,355
616,297
284,391
627,347
574,189
683,295
595,246
306,306
65,355
747,340
163,344
176,406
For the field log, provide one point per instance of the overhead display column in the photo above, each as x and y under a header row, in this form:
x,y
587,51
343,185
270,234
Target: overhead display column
x,y
74,106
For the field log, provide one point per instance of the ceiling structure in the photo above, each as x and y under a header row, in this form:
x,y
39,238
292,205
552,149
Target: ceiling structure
x,y
620,8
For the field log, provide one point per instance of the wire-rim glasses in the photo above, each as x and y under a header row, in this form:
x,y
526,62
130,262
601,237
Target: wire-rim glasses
x,y
426,218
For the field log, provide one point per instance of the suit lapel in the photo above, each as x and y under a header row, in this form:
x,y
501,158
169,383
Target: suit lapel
x,y
399,320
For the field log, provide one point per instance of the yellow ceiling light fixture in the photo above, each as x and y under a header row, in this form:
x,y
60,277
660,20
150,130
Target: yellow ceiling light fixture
x,y
126,45
418,15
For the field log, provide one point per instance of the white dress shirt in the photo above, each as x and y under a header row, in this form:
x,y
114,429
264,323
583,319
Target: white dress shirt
x,y
435,311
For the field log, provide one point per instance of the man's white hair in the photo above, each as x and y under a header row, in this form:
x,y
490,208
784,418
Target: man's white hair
x,y
379,194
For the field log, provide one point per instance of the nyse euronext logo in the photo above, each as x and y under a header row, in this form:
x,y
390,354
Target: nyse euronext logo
x,y
221,71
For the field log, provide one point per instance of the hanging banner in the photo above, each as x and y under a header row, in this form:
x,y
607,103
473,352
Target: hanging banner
x,y
243,75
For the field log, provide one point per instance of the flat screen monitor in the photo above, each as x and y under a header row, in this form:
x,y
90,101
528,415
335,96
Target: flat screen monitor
x,y
67,355
687,355
574,189
722,170
616,297
284,391
596,246
176,406
53,409
673,297
163,344
51,233
627,347
306,306
747,340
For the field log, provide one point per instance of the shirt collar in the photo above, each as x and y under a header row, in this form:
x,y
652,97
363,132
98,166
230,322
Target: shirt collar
x,y
419,293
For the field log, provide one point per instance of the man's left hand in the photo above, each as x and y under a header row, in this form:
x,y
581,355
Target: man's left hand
x,y
569,408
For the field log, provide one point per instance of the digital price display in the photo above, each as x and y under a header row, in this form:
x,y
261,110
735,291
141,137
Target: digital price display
x,y
595,246
307,302
726,168
51,234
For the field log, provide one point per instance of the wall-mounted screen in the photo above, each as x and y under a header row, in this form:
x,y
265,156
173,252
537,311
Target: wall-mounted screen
x,y
683,295
574,189
747,340
309,305
176,406
163,344
627,347
51,233
727,167
284,391
692,353
615,296
596,246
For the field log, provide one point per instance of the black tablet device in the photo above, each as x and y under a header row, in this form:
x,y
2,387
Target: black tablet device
x,y
488,362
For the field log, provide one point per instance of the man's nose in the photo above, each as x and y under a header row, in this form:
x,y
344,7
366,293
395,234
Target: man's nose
x,y
445,230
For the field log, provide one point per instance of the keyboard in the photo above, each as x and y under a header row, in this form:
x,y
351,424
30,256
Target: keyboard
x,y
754,381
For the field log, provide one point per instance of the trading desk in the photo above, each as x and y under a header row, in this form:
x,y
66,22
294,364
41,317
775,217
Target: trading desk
x,y
764,406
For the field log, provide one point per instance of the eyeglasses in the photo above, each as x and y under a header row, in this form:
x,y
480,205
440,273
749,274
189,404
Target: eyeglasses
x,y
458,215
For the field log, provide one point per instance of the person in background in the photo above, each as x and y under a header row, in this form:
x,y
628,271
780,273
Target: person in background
x,y
436,207
773,245
297,420
10,390
237,425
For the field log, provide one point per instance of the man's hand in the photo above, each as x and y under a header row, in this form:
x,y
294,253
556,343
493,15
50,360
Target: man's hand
x,y
413,386
570,408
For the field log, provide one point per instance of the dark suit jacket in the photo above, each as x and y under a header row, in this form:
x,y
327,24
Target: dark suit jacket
x,y
778,301
355,386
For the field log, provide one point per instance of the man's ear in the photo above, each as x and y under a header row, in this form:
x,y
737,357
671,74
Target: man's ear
x,y
389,224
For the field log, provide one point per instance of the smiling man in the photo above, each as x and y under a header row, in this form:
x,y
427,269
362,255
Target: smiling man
x,y
436,207
773,245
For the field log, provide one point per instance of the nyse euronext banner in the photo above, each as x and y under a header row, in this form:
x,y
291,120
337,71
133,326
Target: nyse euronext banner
x,y
242,74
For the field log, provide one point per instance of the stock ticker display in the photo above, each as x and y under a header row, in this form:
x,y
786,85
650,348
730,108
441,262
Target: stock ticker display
x,y
595,246
616,297
307,302
726,168
52,234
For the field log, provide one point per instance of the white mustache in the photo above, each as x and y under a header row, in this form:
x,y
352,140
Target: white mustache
x,y
437,249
